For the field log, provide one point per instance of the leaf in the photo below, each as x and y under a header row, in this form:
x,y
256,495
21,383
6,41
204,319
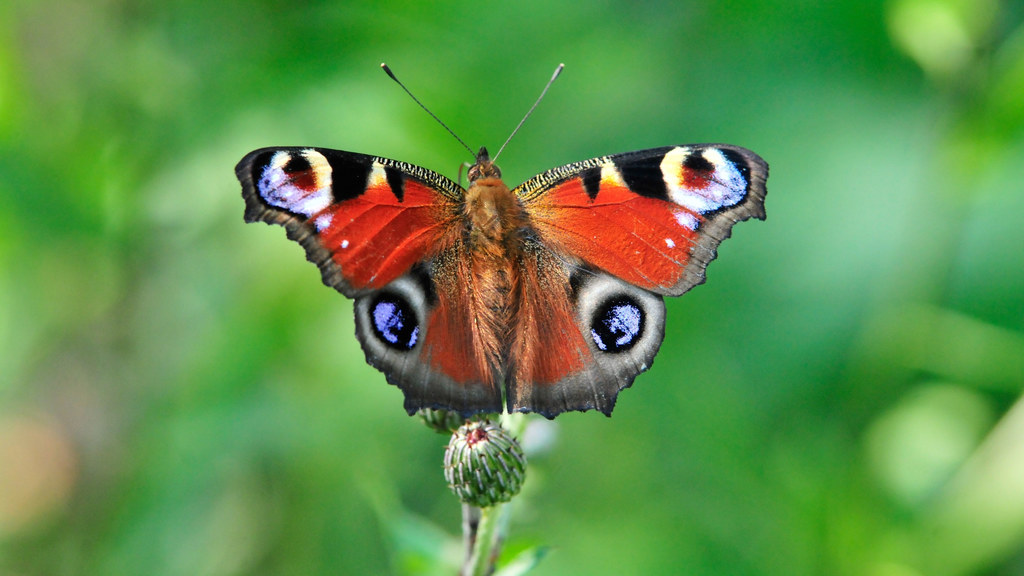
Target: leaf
x,y
524,561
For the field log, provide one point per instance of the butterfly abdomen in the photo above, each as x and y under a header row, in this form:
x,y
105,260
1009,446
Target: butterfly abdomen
x,y
494,225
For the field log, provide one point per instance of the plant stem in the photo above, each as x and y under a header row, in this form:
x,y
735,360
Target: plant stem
x,y
485,541
470,521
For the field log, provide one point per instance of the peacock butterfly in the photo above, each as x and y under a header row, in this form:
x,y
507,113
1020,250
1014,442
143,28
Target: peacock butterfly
x,y
550,293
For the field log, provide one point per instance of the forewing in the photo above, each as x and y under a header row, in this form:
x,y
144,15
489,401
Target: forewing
x,y
363,220
653,218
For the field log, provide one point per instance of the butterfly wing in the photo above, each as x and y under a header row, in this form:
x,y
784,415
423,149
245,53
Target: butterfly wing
x,y
622,231
363,220
653,218
382,232
581,335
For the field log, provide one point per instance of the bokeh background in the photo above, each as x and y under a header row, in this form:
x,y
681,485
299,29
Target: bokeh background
x,y
180,395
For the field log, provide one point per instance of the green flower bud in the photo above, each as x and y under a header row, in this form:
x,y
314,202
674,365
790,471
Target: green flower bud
x,y
441,421
484,464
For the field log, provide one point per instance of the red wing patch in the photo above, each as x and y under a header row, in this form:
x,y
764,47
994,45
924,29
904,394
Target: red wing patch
x,y
653,218
365,221
643,241
375,238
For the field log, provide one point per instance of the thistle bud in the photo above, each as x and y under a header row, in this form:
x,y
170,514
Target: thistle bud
x,y
441,421
484,464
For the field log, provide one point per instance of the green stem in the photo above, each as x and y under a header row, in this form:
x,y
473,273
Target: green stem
x,y
485,543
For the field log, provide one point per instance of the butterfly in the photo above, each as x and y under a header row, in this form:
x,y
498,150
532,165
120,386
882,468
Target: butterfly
x,y
544,298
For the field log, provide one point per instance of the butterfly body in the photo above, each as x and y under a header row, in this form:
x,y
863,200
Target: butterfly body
x,y
494,224
543,298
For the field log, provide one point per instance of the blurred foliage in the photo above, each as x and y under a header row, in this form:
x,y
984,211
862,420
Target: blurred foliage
x,y
180,395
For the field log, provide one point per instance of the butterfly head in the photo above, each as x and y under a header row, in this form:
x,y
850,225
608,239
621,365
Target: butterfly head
x,y
484,167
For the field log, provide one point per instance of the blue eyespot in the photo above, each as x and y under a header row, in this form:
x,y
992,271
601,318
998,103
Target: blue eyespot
x,y
617,325
394,322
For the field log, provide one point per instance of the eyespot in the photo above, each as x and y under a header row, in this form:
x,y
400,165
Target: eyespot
x,y
394,322
617,324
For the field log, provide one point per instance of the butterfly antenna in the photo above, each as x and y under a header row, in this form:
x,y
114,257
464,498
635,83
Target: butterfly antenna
x,y
530,111
432,115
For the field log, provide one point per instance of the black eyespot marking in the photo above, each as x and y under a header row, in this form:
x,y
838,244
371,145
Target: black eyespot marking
x,y
739,162
644,176
698,163
296,163
394,322
591,182
575,283
618,324
348,177
396,181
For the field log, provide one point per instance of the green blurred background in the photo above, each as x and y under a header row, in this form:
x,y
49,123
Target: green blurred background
x,y
180,395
